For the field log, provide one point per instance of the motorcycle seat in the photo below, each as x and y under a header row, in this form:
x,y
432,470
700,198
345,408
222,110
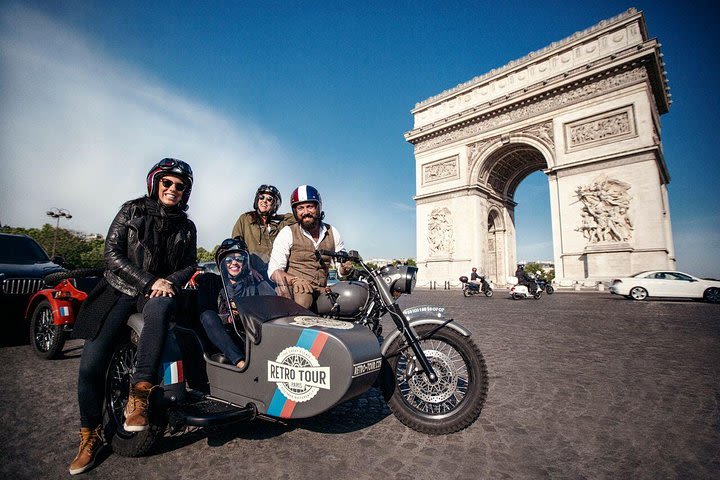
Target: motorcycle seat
x,y
254,311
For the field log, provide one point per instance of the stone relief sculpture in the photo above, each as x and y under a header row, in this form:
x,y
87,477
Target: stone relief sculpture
x,y
605,216
440,232
438,171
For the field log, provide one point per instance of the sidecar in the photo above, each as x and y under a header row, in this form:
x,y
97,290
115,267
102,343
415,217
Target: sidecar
x,y
298,365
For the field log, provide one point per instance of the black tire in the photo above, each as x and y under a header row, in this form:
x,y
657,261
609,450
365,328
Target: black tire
x,y
549,289
57,277
465,292
430,408
117,384
638,293
489,292
537,294
712,295
47,339
516,296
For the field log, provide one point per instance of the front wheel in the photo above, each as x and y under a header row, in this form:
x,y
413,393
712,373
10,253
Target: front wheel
x,y
117,386
549,289
450,404
489,292
537,294
46,338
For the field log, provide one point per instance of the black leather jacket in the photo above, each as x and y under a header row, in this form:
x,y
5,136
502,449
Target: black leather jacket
x,y
129,254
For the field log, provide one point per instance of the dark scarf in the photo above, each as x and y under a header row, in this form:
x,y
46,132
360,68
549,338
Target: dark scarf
x,y
161,227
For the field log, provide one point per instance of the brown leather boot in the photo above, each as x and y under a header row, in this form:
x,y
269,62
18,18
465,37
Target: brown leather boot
x,y
136,410
91,443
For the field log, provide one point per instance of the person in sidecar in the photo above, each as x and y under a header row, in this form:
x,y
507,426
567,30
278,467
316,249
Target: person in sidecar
x,y
259,227
216,294
294,266
525,279
150,252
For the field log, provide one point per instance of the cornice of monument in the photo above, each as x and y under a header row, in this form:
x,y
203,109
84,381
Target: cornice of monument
x,y
458,126
603,44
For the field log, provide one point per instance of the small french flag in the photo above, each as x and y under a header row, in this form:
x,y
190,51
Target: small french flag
x,y
64,311
173,372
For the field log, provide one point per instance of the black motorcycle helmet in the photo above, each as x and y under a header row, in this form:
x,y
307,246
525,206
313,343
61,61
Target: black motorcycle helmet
x,y
272,191
232,246
170,166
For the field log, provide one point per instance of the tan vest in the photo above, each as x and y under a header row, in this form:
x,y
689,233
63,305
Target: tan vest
x,y
302,261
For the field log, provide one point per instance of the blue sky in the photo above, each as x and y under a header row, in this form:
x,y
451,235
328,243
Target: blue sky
x,y
92,93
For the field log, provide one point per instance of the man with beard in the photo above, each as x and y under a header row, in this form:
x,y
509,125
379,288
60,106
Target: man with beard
x,y
300,272
259,227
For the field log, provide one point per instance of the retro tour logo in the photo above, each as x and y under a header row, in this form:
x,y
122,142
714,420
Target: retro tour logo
x,y
298,374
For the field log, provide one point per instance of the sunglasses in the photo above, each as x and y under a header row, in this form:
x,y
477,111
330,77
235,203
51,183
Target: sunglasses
x,y
234,258
180,187
269,198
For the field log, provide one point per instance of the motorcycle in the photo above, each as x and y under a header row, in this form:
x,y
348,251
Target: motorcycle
x,y
544,285
471,288
51,311
300,364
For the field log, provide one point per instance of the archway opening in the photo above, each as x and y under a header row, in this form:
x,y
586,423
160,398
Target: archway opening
x,y
533,224
512,176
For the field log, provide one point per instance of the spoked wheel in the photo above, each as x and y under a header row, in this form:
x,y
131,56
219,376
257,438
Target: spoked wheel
x,y
46,338
638,293
450,404
712,295
117,385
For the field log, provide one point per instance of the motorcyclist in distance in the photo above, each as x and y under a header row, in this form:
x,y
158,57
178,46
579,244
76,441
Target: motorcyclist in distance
x,y
525,279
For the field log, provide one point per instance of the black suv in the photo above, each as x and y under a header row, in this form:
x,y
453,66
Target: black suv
x,y
23,265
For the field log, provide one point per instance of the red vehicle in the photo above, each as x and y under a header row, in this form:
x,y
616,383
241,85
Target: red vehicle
x,y
51,311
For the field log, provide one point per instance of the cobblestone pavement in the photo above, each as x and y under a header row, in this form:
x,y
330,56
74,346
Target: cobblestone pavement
x,y
582,385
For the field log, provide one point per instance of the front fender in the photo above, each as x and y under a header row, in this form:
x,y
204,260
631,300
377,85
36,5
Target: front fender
x,y
424,315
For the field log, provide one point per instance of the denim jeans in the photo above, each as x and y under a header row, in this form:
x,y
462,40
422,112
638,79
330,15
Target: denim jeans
x,y
219,336
98,351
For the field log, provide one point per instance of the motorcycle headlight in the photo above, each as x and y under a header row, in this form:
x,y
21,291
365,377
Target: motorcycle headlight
x,y
400,279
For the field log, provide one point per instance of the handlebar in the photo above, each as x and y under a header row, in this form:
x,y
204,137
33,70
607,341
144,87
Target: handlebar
x,y
343,256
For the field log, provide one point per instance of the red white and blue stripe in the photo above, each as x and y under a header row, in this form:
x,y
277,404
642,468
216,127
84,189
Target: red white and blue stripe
x,y
173,372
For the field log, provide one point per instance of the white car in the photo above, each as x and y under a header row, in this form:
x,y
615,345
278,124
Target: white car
x,y
662,283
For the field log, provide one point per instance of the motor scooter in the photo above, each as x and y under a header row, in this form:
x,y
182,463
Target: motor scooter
x,y
301,363
471,288
518,292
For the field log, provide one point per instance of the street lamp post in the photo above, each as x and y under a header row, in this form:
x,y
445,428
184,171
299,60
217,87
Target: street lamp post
x,y
57,213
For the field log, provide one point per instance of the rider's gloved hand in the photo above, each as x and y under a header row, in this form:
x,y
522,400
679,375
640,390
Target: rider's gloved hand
x,y
300,285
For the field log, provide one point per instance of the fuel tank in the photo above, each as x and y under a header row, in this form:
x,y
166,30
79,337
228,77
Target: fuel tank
x,y
351,298
302,366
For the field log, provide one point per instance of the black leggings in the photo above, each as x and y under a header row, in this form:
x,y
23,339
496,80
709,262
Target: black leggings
x,y
98,351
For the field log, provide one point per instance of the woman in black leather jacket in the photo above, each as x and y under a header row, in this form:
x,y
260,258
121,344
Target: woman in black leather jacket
x,y
150,253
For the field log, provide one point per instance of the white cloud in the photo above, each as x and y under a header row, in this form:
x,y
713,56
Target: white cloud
x,y
79,130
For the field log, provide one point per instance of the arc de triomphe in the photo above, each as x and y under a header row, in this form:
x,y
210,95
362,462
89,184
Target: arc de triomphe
x,y
584,110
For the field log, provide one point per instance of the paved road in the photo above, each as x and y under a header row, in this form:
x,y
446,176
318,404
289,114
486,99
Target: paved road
x,y
582,385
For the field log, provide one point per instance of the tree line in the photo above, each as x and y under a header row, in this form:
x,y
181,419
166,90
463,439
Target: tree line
x,y
75,249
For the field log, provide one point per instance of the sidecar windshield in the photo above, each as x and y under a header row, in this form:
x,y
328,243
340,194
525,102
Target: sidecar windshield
x,y
233,267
